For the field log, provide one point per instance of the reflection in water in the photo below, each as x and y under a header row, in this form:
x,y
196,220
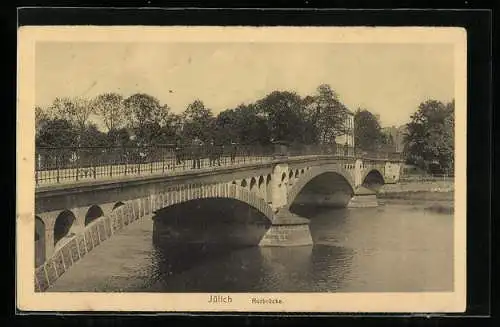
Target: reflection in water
x,y
270,269
292,269
210,221
392,248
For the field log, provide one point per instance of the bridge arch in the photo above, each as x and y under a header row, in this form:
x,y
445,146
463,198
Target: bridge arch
x,y
64,226
261,181
253,182
117,205
261,187
373,179
218,218
268,188
236,214
93,213
311,174
39,241
214,191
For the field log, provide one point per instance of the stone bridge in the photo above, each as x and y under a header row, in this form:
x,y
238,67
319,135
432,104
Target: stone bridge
x,y
73,219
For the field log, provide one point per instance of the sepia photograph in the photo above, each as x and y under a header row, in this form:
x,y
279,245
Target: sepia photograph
x,y
241,169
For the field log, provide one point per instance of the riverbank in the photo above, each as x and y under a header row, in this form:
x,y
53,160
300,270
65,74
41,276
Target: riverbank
x,y
436,186
438,196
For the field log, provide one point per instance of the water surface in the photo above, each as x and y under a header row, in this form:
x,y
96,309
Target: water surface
x,y
397,247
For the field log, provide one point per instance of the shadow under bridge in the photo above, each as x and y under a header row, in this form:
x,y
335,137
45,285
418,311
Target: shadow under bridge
x,y
188,233
324,190
373,180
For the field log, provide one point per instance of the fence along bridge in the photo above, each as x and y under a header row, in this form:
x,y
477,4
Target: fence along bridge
x,y
85,195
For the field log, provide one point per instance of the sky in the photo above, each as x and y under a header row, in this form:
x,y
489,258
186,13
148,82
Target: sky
x,y
390,80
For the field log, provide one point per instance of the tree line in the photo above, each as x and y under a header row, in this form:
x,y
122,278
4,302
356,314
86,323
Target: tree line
x,y
141,119
320,118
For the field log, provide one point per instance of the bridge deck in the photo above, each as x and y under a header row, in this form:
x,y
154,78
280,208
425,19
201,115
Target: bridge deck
x,y
50,179
67,176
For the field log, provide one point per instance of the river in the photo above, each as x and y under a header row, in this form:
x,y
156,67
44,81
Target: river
x,y
396,247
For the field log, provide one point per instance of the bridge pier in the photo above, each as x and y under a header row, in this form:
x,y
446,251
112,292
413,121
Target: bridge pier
x,y
363,198
49,243
279,186
80,217
287,229
49,220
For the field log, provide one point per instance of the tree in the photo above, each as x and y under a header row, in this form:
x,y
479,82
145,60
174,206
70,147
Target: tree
x,y
227,127
111,108
92,136
251,125
449,137
76,111
285,115
144,115
197,120
429,140
148,133
169,128
244,124
387,141
165,135
312,132
118,137
175,124
57,133
367,132
328,114
41,118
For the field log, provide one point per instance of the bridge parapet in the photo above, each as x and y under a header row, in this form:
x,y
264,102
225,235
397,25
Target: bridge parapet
x,y
73,164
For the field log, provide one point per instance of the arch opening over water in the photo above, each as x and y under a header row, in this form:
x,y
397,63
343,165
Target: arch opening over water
x,y
326,189
261,181
252,183
205,213
93,213
373,180
64,226
118,204
185,234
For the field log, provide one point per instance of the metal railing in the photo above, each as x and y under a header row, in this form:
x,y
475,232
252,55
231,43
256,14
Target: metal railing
x,y
72,164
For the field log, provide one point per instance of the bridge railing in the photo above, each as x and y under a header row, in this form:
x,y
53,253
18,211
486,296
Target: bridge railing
x,y
58,165
70,164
